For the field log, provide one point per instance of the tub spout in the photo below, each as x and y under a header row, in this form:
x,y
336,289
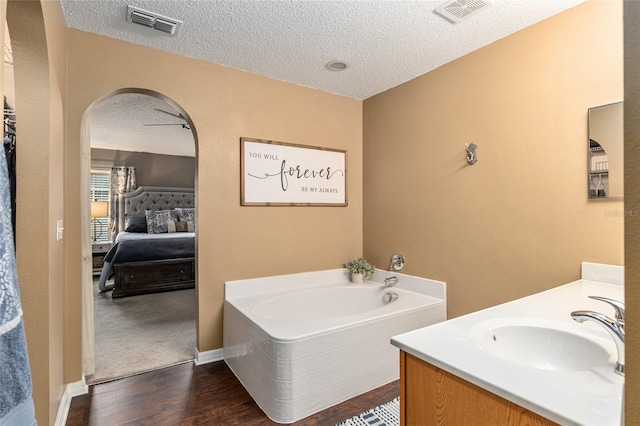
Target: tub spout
x,y
615,329
390,281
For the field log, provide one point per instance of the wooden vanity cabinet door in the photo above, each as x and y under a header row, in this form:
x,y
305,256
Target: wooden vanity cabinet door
x,y
432,396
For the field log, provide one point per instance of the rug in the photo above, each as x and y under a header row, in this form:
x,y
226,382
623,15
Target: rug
x,y
136,334
384,415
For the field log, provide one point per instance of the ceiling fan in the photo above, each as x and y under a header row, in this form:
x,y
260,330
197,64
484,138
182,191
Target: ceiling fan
x,y
179,115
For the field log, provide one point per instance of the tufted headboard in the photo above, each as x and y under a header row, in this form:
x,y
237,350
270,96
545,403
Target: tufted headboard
x,y
153,198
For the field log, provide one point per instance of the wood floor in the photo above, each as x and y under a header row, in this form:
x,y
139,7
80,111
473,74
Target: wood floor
x,y
208,394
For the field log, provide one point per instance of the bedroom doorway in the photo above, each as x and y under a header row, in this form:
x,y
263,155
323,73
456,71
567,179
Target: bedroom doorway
x,y
155,142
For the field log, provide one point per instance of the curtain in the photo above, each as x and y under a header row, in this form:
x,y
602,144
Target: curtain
x,y
123,179
16,402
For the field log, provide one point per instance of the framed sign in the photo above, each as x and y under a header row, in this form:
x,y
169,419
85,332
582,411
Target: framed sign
x,y
284,174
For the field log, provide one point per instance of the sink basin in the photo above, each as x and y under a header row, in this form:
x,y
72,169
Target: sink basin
x,y
546,345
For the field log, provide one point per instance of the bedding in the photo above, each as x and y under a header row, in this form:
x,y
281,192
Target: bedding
x,y
186,214
157,220
135,223
174,226
137,247
147,256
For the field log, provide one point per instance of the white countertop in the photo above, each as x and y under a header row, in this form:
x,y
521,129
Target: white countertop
x,y
588,397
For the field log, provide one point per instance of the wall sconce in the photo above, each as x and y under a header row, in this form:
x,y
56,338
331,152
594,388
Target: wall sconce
x,y
98,209
472,155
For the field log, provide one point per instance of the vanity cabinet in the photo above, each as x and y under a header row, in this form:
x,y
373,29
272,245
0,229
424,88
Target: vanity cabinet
x,y
432,396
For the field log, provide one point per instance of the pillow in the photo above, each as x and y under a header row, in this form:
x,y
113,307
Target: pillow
x,y
173,226
186,215
135,223
157,220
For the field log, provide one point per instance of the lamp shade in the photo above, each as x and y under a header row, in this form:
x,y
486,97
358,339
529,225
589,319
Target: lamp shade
x,y
99,209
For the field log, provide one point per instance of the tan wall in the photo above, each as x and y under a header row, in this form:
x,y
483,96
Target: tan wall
x,y
39,172
632,205
518,221
233,242
56,32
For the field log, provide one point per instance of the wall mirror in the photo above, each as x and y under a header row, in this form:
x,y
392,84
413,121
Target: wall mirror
x,y
605,177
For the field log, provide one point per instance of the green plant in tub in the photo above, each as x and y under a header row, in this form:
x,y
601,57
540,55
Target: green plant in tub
x,y
360,266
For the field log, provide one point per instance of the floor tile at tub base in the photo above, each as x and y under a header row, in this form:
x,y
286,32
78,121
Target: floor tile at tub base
x,y
291,411
328,397
346,372
353,369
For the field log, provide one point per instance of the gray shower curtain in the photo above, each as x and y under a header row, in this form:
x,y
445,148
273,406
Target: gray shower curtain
x,y
16,402
123,179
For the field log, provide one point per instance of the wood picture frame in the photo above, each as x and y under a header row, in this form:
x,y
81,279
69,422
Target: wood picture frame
x,y
285,174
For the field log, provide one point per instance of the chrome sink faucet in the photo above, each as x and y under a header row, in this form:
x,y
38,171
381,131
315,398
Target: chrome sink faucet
x,y
615,327
617,306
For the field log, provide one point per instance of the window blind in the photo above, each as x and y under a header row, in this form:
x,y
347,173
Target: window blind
x,y
100,185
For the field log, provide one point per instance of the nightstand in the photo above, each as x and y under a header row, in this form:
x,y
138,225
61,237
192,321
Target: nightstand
x,y
98,251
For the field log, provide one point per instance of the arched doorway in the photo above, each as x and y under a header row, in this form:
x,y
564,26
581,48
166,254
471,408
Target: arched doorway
x,y
145,131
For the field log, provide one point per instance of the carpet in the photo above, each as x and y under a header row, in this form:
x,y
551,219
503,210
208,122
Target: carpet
x,y
136,334
383,415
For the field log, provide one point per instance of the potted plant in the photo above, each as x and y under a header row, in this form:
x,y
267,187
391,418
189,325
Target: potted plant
x,y
360,270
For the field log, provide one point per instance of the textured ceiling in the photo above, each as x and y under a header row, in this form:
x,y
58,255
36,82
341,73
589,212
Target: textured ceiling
x,y
385,43
118,123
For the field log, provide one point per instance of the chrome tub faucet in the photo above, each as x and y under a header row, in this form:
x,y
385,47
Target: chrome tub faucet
x,y
390,281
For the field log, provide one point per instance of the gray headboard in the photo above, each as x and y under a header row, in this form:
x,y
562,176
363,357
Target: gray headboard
x,y
153,198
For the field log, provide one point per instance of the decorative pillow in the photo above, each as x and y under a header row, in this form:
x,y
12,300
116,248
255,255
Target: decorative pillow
x,y
186,215
173,226
135,223
157,220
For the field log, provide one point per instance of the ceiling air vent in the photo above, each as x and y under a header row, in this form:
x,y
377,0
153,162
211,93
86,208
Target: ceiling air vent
x,y
153,20
458,10
142,19
166,26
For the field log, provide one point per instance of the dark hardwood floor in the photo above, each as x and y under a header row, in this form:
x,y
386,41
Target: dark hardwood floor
x,y
184,394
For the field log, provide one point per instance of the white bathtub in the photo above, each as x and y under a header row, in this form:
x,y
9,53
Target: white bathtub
x,y
301,343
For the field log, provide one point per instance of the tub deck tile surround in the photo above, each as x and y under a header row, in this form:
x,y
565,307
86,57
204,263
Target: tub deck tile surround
x,y
292,373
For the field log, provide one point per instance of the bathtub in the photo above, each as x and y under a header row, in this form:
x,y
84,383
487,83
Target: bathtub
x,y
301,343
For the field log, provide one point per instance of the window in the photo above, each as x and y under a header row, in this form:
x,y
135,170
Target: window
x,y
100,183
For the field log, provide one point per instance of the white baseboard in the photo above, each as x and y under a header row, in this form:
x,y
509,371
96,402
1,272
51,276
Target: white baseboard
x,y
70,390
208,356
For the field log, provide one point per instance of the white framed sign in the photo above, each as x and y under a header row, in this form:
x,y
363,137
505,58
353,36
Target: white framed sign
x,y
284,174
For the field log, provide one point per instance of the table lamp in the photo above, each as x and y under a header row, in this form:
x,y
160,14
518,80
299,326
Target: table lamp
x,y
98,209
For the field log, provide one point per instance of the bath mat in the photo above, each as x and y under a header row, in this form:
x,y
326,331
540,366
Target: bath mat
x,y
384,415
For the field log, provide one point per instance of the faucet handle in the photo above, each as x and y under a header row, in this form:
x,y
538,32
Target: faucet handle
x,y
617,306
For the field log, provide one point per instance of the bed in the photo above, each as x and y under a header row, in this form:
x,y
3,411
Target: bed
x,y
154,247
